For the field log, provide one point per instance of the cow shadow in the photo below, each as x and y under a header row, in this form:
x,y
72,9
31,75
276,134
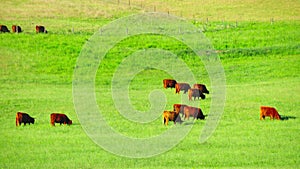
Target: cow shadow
x,y
283,117
186,123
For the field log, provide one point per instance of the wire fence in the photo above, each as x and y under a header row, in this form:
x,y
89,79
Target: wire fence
x,y
92,24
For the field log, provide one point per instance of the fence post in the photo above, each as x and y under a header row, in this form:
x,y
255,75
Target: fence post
x,y
272,20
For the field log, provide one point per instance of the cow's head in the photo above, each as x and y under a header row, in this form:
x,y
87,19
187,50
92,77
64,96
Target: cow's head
x,y
32,120
202,96
278,117
70,122
178,119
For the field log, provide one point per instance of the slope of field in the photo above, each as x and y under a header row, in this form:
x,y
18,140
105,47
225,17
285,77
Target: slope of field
x,y
261,62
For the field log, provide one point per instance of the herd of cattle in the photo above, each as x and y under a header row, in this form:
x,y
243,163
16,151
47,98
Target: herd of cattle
x,y
18,29
54,118
199,90
173,115
185,111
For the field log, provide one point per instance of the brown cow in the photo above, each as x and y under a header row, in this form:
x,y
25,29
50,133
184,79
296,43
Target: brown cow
x,y
23,118
16,29
201,87
195,93
171,116
182,86
169,83
40,29
269,111
3,28
178,108
59,118
194,112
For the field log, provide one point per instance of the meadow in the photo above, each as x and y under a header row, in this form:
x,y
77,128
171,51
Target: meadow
x,y
261,60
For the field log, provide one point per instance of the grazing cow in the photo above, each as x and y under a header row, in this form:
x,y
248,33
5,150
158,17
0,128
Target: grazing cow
x,y
195,93
23,118
194,112
178,108
202,88
40,29
171,116
269,111
3,28
182,86
169,83
59,118
16,28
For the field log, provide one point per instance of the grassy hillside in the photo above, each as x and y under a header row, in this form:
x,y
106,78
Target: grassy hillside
x,y
261,62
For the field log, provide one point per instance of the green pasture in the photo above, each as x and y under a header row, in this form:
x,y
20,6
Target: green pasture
x,y
261,60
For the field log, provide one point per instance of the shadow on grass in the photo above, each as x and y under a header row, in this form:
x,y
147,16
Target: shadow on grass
x,y
283,117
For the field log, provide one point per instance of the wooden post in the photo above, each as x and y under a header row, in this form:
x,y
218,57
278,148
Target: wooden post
x,y
154,8
272,20
129,2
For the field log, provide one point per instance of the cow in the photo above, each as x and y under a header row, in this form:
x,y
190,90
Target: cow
x,y
16,29
23,118
169,83
269,111
4,29
178,108
195,93
40,29
194,112
201,87
59,118
171,116
182,86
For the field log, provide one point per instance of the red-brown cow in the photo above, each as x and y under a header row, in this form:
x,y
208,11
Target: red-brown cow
x,y
182,86
269,111
195,93
171,116
202,88
194,112
16,29
179,108
4,29
23,118
169,83
59,118
40,29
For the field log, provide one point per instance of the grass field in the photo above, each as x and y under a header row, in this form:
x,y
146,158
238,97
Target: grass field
x,y
261,62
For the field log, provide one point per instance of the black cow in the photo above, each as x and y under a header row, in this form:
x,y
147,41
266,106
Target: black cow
x,y
23,118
